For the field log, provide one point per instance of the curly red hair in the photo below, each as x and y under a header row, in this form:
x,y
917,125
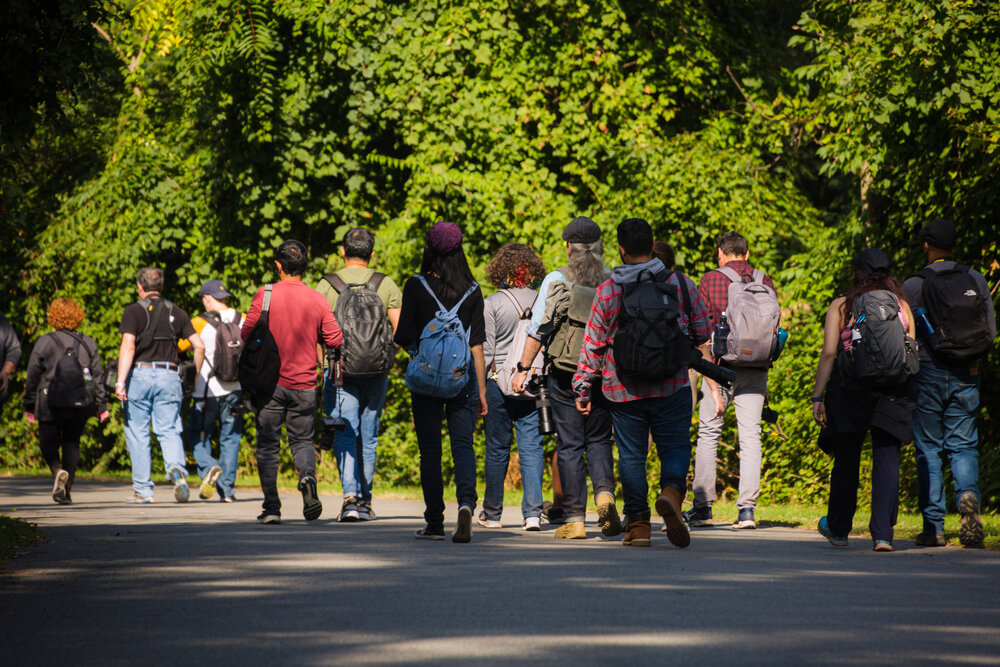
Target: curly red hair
x,y
65,314
515,265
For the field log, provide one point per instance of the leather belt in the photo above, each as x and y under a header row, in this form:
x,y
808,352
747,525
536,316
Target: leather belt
x,y
166,365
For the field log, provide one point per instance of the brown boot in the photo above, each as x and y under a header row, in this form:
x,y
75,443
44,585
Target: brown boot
x,y
607,515
668,505
638,533
571,530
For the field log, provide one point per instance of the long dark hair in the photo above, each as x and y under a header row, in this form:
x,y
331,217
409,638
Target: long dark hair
x,y
864,283
453,271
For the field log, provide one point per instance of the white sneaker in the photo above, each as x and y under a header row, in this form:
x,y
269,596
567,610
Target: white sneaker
x,y
532,523
487,523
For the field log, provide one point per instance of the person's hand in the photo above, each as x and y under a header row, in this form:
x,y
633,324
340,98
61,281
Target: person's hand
x,y
583,407
3,383
483,408
819,414
30,416
720,408
517,381
103,416
120,392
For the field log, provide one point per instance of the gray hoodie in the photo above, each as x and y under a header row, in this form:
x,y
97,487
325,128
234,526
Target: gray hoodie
x,y
629,273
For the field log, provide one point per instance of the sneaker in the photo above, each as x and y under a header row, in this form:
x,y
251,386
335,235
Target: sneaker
x,y
824,530
929,540
552,513
607,515
349,512
181,490
882,545
487,523
695,517
428,533
269,516
136,499
311,506
227,499
365,511
744,520
571,530
970,531
207,489
463,529
532,524
59,493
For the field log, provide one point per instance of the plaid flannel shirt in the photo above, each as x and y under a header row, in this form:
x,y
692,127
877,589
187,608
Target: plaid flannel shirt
x,y
596,358
714,287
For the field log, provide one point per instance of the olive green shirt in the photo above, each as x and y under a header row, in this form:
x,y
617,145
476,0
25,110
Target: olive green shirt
x,y
390,294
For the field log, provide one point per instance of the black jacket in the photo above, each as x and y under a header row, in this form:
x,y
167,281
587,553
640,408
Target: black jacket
x,y
47,352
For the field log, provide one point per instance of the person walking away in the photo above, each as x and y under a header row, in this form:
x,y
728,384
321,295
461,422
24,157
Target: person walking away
x,y
514,271
863,368
956,328
299,319
441,325
62,392
645,323
557,325
149,386
368,317
10,354
217,393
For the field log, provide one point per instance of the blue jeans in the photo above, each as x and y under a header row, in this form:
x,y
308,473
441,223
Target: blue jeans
x,y
669,421
944,420
204,412
153,394
359,402
506,413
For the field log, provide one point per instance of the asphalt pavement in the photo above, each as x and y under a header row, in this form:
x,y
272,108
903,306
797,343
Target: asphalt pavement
x,y
202,583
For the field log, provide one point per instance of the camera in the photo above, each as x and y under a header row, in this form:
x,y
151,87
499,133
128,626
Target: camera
x,y
331,427
724,376
769,415
538,385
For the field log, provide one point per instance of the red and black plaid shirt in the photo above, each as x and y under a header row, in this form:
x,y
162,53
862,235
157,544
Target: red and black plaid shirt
x,y
714,287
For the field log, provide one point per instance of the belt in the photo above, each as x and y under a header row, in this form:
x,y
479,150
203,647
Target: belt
x,y
166,365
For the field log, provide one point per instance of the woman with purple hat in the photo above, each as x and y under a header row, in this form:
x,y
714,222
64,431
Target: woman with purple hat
x,y
853,407
445,283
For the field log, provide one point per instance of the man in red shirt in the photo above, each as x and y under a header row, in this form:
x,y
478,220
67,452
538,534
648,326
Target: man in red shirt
x,y
299,318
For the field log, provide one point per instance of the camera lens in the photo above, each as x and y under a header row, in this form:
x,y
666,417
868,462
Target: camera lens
x,y
543,404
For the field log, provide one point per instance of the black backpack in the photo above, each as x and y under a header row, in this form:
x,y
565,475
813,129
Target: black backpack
x,y
158,326
959,315
881,353
368,349
72,384
260,362
228,347
649,344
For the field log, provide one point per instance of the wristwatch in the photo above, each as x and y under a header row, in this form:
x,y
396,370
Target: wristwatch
x,y
817,399
522,369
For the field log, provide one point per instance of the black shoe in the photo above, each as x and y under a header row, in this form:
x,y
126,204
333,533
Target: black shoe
x,y
970,532
311,506
268,516
552,513
428,533
929,540
463,529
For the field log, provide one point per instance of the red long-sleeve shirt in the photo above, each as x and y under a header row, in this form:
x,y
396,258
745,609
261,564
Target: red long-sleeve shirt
x,y
299,318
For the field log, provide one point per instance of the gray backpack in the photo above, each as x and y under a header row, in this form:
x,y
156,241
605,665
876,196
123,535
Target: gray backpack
x,y
753,312
881,354
368,350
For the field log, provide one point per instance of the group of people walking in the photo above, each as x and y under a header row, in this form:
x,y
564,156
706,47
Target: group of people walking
x,y
596,357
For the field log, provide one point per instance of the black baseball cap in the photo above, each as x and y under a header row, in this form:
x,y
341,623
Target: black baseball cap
x,y
872,261
939,233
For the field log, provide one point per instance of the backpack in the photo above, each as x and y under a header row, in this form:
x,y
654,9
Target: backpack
x,y
72,385
958,313
649,344
752,312
884,355
228,347
441,358
368,349
570,322
509,367
154,330
260,362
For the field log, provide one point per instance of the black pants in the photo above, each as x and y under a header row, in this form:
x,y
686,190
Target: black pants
x,y
296,408
579,436
844,483
460,413
63,433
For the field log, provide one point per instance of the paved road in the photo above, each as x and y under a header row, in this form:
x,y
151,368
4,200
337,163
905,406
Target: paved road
x,y
203,584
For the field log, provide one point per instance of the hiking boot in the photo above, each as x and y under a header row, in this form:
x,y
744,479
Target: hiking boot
x,y
463,529
571,530
365,511
744,520
532,524
311,506
637,533
552,513
181,490
428,533
929,540
136,499
824,529
668,505
269,516
59,492
695,517
970,531
349,512
207,489
487,523
882,545
607,515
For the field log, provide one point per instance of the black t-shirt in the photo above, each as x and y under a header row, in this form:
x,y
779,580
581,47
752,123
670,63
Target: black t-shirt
x,y
135,320
419,308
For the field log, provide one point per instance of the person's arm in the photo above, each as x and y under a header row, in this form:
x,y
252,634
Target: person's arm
x,y
393,314
831,339
479,359
329,329
100,395
33,378
531,349
592,351
406,325
700,331
10,352
911,327
252,315
126,355
198,345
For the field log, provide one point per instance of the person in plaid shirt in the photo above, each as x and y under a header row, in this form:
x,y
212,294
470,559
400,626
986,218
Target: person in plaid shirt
x,y
747,394
638,408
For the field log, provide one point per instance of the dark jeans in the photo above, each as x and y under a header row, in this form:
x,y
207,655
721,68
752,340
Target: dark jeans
x,y
844,483
296,408
460,413
579,435
63,432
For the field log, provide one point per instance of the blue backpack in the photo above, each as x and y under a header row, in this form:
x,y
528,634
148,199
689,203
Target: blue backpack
x,y
440,363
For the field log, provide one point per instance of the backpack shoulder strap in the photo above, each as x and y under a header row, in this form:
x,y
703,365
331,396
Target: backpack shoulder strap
x,y
336,282
211,315
472,288
423,281
685,296
513,301
729,273
267,300
758,276
567,273
375,281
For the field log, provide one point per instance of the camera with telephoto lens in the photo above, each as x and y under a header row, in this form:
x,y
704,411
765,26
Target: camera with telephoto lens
x,y
769,415
539,386
723,376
